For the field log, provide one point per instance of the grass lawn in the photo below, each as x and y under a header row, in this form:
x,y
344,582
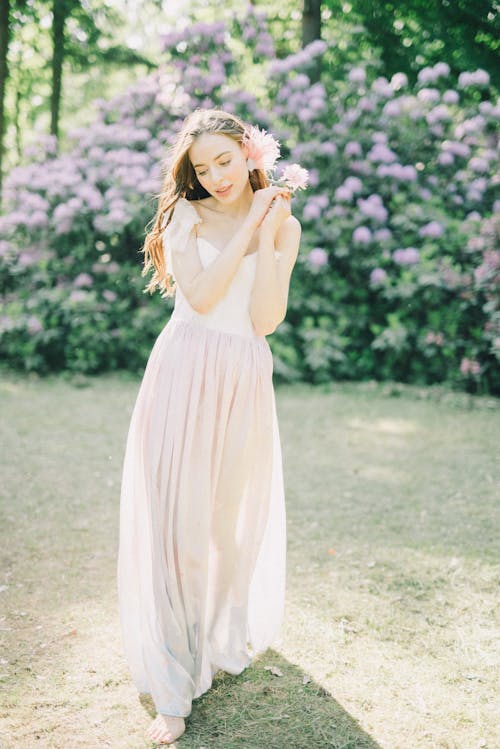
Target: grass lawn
x,y
391,634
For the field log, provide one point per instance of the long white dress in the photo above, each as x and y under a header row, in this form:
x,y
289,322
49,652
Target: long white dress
x,y
202,540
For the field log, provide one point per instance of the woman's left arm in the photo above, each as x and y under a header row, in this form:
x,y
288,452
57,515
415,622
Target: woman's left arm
x,y
279,231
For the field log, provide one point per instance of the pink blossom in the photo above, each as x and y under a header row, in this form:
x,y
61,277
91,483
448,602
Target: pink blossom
x,y
392,108
328,148
357,75
380,152
399,80
318,257
475,78
83,279
478,164
432,229
373,207
300,81
26,259
470,367
352,148
311,210
78,295
450,97
353,183
362,234
428,94
295,176
434,338
382,86
406,173
34,325
377,276
342,193
109,296
445,158
407,256
382,235
438,114
263,149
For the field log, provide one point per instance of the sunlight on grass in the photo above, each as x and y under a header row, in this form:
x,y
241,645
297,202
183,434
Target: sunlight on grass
x,y
390,639
385,426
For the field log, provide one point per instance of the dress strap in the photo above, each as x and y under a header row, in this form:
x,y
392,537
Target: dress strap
x,y
176,234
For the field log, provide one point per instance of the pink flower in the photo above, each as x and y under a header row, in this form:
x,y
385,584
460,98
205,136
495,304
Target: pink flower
x,y
109,295
83,279
295,176
318,257
263,149
470,367
377,276
34,324
362,234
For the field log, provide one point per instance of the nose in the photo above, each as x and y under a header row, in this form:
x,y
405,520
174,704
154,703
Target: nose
x,y
215,173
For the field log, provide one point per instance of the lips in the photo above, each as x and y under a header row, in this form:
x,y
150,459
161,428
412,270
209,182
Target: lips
x,y
224,191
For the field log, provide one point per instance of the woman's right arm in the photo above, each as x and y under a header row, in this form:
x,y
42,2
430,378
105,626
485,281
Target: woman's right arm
x,y
204,287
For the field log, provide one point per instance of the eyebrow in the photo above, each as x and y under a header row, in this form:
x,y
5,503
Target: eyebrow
x,y
217,157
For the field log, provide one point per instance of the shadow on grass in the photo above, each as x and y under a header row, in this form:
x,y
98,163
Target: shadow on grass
x,y
258,709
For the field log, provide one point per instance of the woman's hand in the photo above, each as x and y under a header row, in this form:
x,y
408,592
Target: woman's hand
x,y
278,212
262,202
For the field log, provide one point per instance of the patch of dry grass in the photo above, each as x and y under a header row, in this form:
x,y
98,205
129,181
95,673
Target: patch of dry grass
x,y
391,637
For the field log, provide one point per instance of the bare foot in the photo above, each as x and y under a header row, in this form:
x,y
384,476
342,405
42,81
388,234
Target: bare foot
x,y
165,729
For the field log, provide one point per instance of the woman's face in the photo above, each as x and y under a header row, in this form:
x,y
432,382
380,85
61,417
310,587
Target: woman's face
x,y
220,165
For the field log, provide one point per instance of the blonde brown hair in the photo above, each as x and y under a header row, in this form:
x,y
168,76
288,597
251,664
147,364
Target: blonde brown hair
x,y
180,181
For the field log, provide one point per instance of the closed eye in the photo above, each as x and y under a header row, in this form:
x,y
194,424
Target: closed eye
x,y
222,163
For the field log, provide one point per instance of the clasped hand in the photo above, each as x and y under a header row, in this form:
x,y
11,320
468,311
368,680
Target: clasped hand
x,y
270,207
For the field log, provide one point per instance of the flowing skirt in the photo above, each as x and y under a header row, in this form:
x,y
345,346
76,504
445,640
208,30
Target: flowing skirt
x,y
202,541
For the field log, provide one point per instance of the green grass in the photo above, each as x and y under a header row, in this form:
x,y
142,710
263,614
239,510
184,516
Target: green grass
x,y
391,633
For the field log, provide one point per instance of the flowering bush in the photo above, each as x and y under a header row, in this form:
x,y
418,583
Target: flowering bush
x,y
399,268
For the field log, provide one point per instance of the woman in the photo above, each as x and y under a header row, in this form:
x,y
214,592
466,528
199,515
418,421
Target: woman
x,y
201,561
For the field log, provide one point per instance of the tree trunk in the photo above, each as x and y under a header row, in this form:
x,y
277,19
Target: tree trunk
x,y
59,12
311,30
4,74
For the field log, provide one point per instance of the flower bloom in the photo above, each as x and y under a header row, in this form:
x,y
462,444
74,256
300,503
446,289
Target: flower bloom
x,y
34,325
311,211
434,338
263,149
83,279
78,295
382,235
373,207
318,257
445,158
432,229
357,75
408,256
362,234
399,80
450,96
295,177
352,148
109,296
377,276
470,367
475,78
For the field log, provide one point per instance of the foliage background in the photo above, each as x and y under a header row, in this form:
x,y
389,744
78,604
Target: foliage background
x,y
399,268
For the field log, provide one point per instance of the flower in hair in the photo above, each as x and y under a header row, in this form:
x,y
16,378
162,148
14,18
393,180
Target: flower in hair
x,y
263,149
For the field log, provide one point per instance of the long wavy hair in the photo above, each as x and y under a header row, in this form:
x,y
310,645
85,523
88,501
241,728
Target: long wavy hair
x,y
180,181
